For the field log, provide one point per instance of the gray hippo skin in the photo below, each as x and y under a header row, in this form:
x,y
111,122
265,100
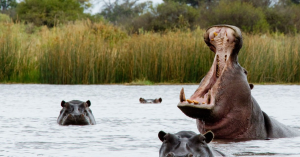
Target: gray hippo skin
x,y
76,112
223,103
187,144
155,101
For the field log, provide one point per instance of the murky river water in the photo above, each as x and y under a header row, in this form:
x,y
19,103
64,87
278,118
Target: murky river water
x,y
124,126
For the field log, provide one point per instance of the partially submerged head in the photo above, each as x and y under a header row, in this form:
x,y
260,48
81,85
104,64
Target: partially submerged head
x,y
185,144
142,100
224,92
76,112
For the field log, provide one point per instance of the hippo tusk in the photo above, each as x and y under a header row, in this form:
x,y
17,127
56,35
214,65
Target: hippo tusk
x,y
182,95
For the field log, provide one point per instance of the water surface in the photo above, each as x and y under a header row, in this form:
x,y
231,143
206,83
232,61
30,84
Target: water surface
x,y
124,126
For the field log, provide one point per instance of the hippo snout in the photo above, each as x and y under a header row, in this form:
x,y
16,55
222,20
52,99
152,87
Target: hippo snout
x,y
173,155
186,144
76,112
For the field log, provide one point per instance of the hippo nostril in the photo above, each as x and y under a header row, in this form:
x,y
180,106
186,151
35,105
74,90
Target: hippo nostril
x,y
190,155
70,116
170,155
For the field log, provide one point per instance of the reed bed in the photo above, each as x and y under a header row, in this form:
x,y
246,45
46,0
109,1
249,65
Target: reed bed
x,y
86,53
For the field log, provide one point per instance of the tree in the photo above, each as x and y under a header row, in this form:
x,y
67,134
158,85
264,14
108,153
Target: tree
x,y
167,16
259,3
6,4
196,3
121,12
284,18
296,1
50,12
240,14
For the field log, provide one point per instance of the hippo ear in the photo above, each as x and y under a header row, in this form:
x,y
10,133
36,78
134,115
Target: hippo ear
x,y
251,85
141,99
89,103
209,136
62,103
160,99
161,135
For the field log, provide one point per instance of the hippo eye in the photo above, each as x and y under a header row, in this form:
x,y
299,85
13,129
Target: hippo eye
x,y
71,109
165,139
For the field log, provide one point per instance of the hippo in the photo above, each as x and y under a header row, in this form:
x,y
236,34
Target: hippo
x,y
144,101
223,102
187,144
76,112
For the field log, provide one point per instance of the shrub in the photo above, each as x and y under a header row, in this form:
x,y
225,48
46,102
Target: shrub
x,y
240,14
285,19
49,12
168,15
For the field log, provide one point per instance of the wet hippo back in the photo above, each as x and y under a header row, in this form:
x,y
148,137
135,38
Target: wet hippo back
x,y
76,112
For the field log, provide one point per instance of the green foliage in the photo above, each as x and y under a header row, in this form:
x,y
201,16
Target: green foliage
x,y
196,3
122,12
296,1
285,19
259,3
49,12
237,13
7,4
168,15
4,18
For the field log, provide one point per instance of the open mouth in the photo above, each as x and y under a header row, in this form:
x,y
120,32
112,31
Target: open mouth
x,y
221,40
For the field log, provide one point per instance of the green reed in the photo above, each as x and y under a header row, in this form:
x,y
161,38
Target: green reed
x,y
86,53
273,59
17,63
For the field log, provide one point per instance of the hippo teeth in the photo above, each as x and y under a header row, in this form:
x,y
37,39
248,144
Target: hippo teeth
x,y
217,68
182,96
208,97
189,101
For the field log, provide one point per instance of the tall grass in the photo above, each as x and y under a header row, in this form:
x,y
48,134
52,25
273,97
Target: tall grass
x,y
86,53
17,62
272,58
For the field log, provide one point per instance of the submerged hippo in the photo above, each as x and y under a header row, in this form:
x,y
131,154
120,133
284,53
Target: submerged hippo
x,y
76,112
223,102
142,100
186,144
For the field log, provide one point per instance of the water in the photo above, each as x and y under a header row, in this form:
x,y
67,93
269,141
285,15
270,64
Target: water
x,y
124,126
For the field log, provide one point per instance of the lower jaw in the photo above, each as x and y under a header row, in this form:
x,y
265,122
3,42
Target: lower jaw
x,y
196,111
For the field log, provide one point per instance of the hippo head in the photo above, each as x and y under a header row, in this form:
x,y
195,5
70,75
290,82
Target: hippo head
x,y
144,101
76,112
185,144
223,98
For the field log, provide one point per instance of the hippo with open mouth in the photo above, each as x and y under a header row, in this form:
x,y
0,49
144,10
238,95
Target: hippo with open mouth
x,y
187,144
76,112
223,102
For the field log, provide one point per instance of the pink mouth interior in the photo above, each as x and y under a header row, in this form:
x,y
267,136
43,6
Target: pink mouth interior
x,y
222,39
